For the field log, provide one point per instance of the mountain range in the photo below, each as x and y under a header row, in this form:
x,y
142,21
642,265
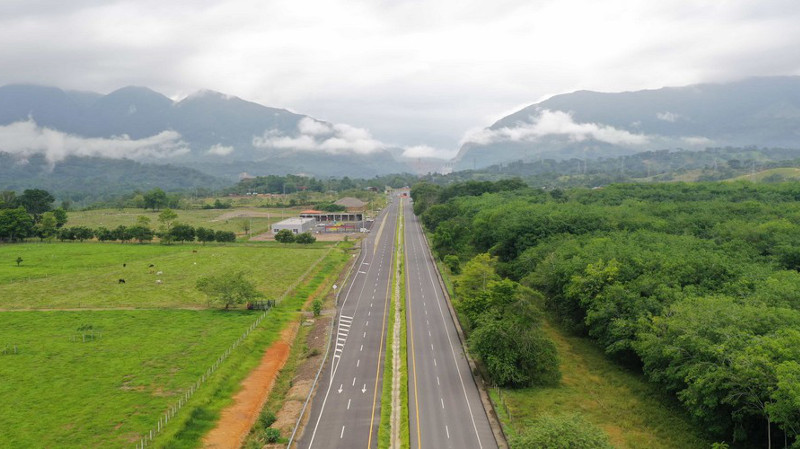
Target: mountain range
x,y
216,133
761,112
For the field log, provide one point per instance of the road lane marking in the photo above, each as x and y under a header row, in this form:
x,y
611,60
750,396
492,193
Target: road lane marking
x,y
341,435
358,362
384,319
442,399
436,290
348,403
448,431
354,381
434,362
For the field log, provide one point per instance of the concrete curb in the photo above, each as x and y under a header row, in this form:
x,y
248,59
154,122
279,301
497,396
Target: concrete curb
x,y
491,413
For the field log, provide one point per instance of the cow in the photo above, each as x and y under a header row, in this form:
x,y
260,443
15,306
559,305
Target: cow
x,y
121,281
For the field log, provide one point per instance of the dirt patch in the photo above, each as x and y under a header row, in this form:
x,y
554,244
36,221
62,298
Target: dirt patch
x,y
237,420
243,214
305,373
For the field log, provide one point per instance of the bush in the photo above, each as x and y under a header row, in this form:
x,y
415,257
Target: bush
x,y
561,432
516,355
284,236
266,418
272,435
305,238
316,306
453,263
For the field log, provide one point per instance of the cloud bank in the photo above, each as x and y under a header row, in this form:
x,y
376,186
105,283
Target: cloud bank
x,y
555,123
220,150
319,136
28,138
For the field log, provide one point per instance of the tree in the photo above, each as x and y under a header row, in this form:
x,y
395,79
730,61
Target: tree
x,y
46,228
284,236
516,355
82,233
304,238
155,199
15,224
182,233
141,233
204,235
167,218
36,202
225,236
61,217
228,289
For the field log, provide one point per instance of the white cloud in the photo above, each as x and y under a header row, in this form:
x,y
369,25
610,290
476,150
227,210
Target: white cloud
x,y
319,136
425,151
220,150
411,71
698,141
558,123
26,138
668,116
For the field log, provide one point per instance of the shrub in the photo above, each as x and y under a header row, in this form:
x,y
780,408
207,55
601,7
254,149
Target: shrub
x,y
561,432
316,306
266,418
272,435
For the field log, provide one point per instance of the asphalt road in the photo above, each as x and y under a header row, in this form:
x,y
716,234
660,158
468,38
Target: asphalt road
x,y
444,404
345,412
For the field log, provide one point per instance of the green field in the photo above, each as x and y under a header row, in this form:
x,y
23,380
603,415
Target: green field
x,y
85,275
102,376
233,220
634,413
60,391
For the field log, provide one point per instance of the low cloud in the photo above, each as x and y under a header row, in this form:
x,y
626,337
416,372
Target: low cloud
x,y
698,140
668,116
425,151
320,136
220,150
556,123
27,138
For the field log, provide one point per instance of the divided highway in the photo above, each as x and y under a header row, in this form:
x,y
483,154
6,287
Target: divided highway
x,y
444,403
346,409
445,409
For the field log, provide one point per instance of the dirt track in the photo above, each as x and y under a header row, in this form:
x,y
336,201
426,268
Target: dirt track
x,y
237,420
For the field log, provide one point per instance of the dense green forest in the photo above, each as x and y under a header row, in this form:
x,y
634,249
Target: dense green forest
x,y
696,285
712,164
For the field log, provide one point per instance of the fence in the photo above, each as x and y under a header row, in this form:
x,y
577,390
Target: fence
x,y
147,439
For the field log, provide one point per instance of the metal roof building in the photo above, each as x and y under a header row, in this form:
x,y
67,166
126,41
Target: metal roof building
x,y
296,225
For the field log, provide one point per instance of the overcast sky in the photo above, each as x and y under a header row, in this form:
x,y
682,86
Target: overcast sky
x,y
414,73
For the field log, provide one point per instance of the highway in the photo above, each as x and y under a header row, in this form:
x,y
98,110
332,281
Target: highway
x,y
345,412
444,404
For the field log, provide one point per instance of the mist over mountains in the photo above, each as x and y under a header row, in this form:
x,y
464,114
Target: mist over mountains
x,y
218,134
762,112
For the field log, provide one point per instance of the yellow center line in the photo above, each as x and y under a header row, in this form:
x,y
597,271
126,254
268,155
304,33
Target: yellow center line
x,y
380,351
413,354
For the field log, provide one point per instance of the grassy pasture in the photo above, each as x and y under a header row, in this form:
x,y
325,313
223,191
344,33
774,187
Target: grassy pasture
x,y
216,219
59,391
634,413
85,275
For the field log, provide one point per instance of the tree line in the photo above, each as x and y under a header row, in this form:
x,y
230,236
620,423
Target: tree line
x,y
695,285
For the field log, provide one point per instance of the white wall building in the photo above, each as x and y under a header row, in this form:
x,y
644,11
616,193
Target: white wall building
x,y
296,225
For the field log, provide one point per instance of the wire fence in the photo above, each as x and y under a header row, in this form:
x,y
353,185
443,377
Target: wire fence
x,y
147,439
173,409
